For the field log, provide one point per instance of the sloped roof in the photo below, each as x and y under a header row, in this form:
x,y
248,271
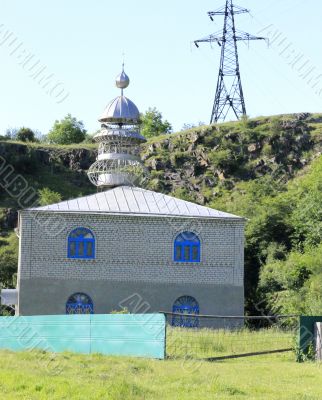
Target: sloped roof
x,y
135,201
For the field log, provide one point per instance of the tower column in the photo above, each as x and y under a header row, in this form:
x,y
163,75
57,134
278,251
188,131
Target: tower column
x,y
118,162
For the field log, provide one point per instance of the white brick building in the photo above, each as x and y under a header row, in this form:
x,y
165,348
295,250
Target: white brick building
x,y
127,247
133,255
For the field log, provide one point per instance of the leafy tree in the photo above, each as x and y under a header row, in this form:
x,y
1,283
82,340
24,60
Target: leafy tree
x,y
294,285
47,196
8,261
26,135
307,219
67,131
152,124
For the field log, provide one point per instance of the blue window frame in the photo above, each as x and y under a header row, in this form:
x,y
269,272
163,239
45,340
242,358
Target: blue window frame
x,y
187,247
81,244
79,303
187,306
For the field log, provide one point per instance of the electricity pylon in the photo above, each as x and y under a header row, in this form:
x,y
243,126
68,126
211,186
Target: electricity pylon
x,y
229,92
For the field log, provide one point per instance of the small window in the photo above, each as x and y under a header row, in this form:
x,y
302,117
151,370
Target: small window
x,y
79,303
81,244
186,310
187,247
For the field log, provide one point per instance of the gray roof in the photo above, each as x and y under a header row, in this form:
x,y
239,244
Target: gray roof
x,y
121,109
135,201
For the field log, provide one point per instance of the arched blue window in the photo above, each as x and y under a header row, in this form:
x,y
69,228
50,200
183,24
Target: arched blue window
x,y
81,244
185,305
79,303
187,247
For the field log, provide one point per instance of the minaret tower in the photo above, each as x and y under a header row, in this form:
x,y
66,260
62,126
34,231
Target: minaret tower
x,y
118,162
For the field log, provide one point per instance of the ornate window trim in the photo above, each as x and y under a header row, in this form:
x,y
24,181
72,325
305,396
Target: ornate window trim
x,y
186,248
79,303
81,246
188,306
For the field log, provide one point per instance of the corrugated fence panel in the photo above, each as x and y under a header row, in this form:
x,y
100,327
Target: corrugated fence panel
x,y
141,335
53,333
129,334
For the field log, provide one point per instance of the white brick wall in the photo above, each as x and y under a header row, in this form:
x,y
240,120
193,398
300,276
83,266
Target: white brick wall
x,y
131,248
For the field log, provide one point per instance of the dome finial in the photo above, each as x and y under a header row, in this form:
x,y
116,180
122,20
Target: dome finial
x,y
122,80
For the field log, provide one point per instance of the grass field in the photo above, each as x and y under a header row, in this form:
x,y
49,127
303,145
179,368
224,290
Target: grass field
x,y
206,343
39,375
29,376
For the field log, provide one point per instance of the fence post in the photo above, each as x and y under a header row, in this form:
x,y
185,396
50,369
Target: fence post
x,y
318,340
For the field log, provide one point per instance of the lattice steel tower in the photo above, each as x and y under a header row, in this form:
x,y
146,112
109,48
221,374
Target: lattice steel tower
x,y
229,92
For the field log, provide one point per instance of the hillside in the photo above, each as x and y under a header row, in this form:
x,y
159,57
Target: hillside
x,y
266,169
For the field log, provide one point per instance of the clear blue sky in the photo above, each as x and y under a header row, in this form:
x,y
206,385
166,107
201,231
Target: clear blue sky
x,y
81,43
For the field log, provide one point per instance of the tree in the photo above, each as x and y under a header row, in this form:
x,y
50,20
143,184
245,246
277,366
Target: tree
x,y
47,196
8,261
26,135
11,133
67,131
153,125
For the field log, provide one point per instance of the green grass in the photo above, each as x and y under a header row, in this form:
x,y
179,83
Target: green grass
x,y
37,145
28,376
207,343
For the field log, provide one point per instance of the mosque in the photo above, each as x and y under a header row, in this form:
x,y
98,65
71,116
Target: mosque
x,y
126,247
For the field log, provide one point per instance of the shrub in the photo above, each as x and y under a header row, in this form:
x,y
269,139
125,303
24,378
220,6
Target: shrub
x,y
47,196
26,135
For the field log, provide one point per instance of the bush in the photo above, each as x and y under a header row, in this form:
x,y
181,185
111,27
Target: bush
x,y
25,162
26,135
47,196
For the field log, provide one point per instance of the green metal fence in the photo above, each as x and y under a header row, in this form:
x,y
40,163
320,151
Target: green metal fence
x,y
306,335
141,335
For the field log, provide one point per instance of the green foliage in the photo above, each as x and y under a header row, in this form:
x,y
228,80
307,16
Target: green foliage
x,y
221,158
307,216
152,124
89,138
8,261
26,135
67,131
24,162
183,193
47,196
294,285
